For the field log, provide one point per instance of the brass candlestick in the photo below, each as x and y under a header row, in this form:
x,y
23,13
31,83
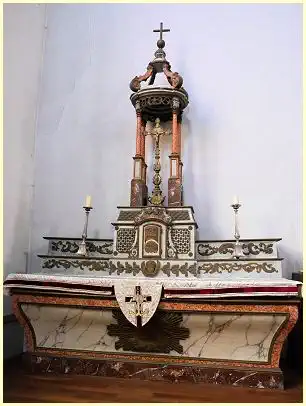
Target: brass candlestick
x,y
238,252
82,248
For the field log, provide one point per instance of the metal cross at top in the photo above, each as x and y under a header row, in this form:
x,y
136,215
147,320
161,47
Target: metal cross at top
x,y
161,30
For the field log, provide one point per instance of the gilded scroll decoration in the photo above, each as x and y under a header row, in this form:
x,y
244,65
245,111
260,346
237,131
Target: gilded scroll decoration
x,y
119,268
176,269
75,263
72,247
228,248
218,267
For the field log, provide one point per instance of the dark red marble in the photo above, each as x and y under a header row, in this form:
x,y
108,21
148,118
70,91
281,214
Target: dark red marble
x,y
269,378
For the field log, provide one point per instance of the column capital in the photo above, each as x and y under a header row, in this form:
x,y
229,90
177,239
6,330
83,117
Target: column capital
x,y
137,107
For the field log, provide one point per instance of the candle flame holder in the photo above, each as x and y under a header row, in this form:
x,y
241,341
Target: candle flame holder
x,y
238,252
82,247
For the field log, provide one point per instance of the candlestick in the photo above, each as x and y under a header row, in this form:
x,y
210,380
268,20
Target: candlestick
x,y
82,248
238,252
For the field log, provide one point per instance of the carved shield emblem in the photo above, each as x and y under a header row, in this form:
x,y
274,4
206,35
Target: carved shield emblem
x,y
138,300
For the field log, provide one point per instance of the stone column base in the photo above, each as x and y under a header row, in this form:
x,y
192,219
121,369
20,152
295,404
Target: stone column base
x,y
175,195
139,193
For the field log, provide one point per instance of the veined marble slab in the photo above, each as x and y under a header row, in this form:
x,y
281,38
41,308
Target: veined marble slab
x,y
212,336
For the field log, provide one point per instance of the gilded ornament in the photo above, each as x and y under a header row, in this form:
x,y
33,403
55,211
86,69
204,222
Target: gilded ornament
x,y
162,334
219,267
78,263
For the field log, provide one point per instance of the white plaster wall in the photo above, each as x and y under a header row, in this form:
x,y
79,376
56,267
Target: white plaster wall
x,y
23,49
242,68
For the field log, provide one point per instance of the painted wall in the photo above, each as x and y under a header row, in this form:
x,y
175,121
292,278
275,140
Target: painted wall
x,y
242,68
23,50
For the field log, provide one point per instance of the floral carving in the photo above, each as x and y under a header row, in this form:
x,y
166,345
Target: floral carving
x,y
228,248
76,263
178,268
218,267
120,268
72,247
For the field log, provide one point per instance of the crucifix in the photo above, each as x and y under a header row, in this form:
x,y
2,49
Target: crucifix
x,y
157,197
161,30
138,299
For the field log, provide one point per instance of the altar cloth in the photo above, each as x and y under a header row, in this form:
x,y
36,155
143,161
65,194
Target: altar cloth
x,y
173,288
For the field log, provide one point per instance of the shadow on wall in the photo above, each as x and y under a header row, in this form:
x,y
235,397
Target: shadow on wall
x,y
293,261
203,214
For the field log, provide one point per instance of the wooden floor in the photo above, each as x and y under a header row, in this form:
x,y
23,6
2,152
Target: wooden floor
x,y
22,387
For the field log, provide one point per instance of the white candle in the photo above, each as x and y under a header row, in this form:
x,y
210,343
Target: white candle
x,y
88,201
235,200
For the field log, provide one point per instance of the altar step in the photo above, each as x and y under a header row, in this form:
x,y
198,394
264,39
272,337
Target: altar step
x,y
205,249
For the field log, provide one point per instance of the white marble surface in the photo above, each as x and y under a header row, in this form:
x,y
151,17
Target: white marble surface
x,y
235,337
70,328
212,336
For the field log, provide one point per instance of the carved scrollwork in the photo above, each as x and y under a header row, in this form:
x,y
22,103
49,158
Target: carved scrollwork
x,y
218,267
155,100
80,264
153,213
228,248
175,80
135,83
72,247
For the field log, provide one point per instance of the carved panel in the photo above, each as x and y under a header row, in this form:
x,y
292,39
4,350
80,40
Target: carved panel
x,y
127,215
125,239
179,215
151,240
181,240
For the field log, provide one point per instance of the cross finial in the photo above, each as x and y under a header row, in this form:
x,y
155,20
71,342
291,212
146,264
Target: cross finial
x,y
161,30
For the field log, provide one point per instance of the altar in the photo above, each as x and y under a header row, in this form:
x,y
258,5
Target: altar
x,y
155,303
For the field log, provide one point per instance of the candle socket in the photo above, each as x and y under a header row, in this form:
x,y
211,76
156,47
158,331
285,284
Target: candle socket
x,y
82,247
238,251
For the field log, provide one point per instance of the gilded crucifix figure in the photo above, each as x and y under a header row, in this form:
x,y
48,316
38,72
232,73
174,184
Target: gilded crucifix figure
x,y
138,299
157,197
